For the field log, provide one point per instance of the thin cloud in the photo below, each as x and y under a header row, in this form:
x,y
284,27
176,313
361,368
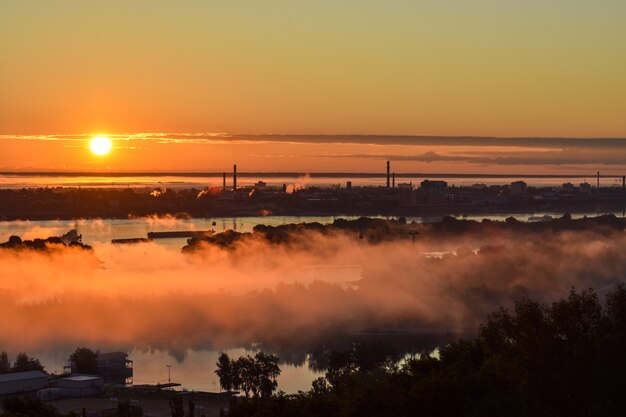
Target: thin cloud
x,y
440,141
548,157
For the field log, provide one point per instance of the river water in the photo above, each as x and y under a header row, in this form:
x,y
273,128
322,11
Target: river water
x,y
194,369
104,230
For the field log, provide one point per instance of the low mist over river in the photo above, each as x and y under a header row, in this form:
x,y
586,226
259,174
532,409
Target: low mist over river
x,y
298,299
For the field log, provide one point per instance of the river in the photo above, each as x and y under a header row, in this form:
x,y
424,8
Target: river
x,y
193,368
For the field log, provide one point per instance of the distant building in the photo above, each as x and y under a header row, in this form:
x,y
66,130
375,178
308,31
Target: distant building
x,y
80,386
260,185
433,192
585,188
518,189
436,186
20,382
568,187
113,368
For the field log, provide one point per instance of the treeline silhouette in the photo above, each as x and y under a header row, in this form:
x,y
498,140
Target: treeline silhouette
x,y
376,230
252,375
84,360
22,363
560,359
32,407
44,245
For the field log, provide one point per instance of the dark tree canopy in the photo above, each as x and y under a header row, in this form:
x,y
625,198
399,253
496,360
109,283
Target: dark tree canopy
x,y
85,361
253,375
24,363
5,365
225,372
562,359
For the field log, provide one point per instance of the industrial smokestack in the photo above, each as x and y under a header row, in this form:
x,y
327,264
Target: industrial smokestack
x,y
598,182
224,181
388,167
234,177
393,180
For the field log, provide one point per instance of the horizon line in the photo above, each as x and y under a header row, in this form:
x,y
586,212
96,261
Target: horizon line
x,y
278,174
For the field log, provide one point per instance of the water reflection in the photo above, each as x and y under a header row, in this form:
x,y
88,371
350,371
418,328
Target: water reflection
x,y
195,369
104,230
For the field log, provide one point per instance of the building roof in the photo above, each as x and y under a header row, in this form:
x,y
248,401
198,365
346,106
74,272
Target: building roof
x,y
78,378
20,376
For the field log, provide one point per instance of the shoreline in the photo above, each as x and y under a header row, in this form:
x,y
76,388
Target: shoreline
x,y
424,212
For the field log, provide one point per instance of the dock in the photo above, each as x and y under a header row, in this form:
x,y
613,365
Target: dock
x,y
130,240
179,234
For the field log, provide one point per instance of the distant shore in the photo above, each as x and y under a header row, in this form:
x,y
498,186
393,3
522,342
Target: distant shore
x,y
253,174
424,199
432,212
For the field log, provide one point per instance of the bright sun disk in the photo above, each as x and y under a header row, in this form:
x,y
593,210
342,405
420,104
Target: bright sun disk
x,y
100,145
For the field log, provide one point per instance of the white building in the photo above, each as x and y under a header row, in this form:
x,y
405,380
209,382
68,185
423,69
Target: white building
x,y
80,386
22,382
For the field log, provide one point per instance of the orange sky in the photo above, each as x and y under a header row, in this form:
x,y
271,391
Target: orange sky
x,y
272,153
479,67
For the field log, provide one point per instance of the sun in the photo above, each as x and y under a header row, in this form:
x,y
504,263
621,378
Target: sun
x,y
100,145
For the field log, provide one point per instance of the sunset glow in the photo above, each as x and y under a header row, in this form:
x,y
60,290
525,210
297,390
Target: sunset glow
x,y
100,145
318,208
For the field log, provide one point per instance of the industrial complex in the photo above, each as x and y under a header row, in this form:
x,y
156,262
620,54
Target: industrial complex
x,y
398,195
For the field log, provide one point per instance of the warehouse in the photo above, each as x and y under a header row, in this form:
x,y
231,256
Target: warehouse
x,y
80,386
19,382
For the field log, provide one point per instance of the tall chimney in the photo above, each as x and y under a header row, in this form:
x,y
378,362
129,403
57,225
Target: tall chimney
x,y
393,180
234,177
387,174
598,182
224,181
623,182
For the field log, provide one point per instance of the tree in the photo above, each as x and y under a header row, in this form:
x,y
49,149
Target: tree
x,y
267,370
253,375
5,366
176,406
246,372
24,363
27,407
225,371
192,408
84,361
126,409
541,360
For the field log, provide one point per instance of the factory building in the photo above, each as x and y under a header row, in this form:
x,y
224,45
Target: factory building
x,y
113,368
518,189
80,386
568,187
433,192
436,186
585,188
73,387
20,382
